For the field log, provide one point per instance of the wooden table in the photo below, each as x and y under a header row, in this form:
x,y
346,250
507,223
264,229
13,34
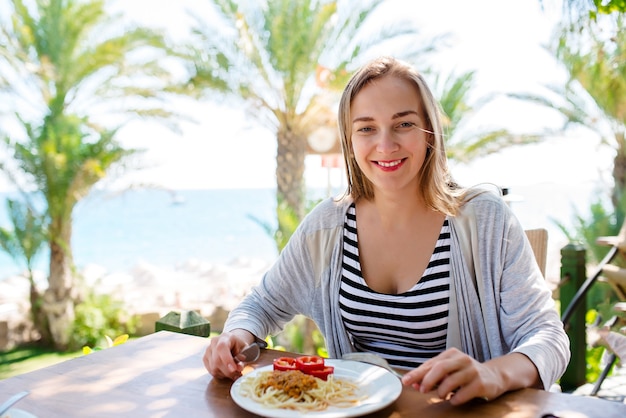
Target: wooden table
x,y
161,375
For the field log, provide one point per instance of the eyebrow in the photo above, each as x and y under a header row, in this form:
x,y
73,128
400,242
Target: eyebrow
x,y
395,116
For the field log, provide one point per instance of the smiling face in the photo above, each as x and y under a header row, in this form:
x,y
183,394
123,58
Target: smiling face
x,y
387,134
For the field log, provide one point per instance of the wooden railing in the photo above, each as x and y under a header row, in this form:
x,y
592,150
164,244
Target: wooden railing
x,y
575,287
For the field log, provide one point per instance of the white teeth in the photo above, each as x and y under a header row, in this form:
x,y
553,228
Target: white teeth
x,y
389,164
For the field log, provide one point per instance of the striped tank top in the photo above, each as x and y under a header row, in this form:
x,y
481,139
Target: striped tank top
x,y
408,328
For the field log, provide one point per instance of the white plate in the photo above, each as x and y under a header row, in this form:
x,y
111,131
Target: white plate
x,y
17,413
380,388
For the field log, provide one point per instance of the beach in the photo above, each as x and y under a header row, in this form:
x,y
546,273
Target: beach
x,y
148,291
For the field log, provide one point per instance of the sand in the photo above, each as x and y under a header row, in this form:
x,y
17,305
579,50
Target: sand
x,y
146,290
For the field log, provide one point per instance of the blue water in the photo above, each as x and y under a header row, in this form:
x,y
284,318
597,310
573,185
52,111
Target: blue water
x,y
118,230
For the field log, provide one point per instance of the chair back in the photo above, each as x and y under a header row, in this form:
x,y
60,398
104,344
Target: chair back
x,y
539,242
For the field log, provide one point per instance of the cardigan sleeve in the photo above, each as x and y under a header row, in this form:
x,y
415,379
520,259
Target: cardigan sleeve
x,y
304,280
503,303
530,321
285,290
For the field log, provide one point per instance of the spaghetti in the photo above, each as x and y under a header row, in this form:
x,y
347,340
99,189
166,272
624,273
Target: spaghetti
x,y
296,390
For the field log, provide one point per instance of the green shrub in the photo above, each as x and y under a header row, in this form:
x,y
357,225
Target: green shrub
x,y
97,317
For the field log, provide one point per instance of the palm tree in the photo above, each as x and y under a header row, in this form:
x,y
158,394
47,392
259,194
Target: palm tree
x,y
595,7
72,76
594,56
24,243
596,62
283,58
464,144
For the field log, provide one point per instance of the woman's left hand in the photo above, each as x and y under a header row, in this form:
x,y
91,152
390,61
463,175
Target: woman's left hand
x,y
456,376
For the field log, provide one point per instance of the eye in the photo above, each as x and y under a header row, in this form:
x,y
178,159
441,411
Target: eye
x,y
406,125
365,129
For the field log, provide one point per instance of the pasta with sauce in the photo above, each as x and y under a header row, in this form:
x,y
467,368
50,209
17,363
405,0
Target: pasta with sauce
x,y
298,391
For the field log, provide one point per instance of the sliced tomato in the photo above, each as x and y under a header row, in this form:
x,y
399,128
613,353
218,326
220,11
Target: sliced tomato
x,y
323,373
285,363
308,363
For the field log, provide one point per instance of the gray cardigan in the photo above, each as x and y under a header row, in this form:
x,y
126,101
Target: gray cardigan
x,y
499,301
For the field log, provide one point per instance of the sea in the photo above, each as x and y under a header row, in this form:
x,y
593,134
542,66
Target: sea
x,y
117,230
165,228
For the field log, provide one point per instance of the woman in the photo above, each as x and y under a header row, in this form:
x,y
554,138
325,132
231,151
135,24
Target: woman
x,y
438,279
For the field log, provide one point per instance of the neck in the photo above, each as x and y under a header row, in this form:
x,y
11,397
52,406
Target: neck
x,y
399,210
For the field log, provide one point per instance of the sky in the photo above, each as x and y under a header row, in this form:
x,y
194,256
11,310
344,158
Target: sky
x,y
502,40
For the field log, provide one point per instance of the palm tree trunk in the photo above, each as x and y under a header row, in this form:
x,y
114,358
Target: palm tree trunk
x,y
291,151
619,171
59,297
38,316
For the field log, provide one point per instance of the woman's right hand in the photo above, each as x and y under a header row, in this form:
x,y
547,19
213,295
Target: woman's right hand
x,y
219,356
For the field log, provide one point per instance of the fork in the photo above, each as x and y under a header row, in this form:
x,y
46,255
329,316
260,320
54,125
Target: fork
x,y
249,354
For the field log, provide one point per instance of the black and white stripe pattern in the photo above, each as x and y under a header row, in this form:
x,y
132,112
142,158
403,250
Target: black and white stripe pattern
x,y
408,328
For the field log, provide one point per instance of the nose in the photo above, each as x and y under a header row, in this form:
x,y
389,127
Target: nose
x,y
386,142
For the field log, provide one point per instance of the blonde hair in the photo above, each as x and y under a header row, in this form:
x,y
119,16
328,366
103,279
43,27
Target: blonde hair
x,y
435,184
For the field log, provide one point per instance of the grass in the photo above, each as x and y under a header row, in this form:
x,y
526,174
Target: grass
x,y
25,359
